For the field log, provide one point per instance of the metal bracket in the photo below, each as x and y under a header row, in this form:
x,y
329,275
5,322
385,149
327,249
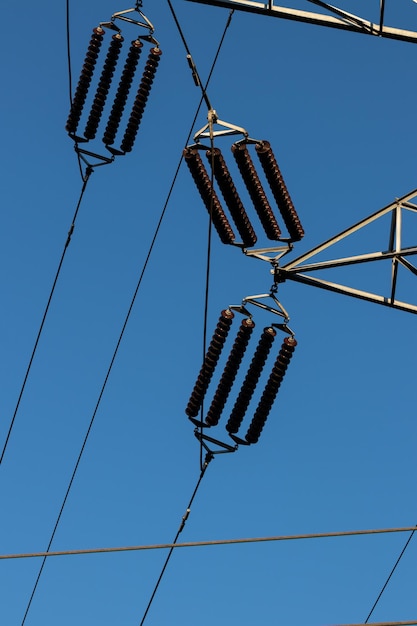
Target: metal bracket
x,y
231,129
121,15
225,448
278,309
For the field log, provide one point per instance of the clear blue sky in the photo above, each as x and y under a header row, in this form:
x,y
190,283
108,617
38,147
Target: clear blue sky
x,y
338,450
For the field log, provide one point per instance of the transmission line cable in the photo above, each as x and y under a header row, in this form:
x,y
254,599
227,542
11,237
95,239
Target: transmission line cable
x,y
85,177
390,575
209,457
117,345
67,242
200,544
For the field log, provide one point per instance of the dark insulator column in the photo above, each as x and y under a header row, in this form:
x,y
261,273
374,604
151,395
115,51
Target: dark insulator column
x,y
280,191
141,100
251,380
85,80
229,373
256,191
123,89
271,390
208,195
231,197
103,86
210,362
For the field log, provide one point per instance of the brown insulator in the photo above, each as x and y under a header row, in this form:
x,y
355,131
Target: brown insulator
x,y
280,191
85,80
271,390
122,93
251,380
141,100
229,373
231,197
256,191
212,203
210,362
103,86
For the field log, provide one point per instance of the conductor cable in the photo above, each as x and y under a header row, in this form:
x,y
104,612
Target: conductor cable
x,y
390,575
209,457
211,543
191,63
68,240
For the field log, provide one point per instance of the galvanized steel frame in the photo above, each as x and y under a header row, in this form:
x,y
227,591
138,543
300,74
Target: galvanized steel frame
x,y
295,270
338,18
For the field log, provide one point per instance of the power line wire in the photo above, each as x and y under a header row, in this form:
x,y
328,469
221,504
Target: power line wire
x,y
208,458
51,293
390,574
200,544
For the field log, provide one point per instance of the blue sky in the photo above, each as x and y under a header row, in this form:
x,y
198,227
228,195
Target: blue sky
x,y
338,450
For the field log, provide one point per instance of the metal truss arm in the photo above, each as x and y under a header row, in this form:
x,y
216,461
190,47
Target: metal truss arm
x,y
295,270
350,291
341,20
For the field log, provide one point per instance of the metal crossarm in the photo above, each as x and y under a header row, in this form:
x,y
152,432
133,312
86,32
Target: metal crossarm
x,y
398,255
333,18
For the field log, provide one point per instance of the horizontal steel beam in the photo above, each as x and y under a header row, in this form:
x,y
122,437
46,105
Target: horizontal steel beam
x,y
356,25
349,291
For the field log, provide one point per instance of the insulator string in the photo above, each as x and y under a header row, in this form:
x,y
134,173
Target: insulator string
x,y
210,361
122,93
231,197
279,190
103,87
271,389
229,373
208,195
141,100
251,380
83,86
255,189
